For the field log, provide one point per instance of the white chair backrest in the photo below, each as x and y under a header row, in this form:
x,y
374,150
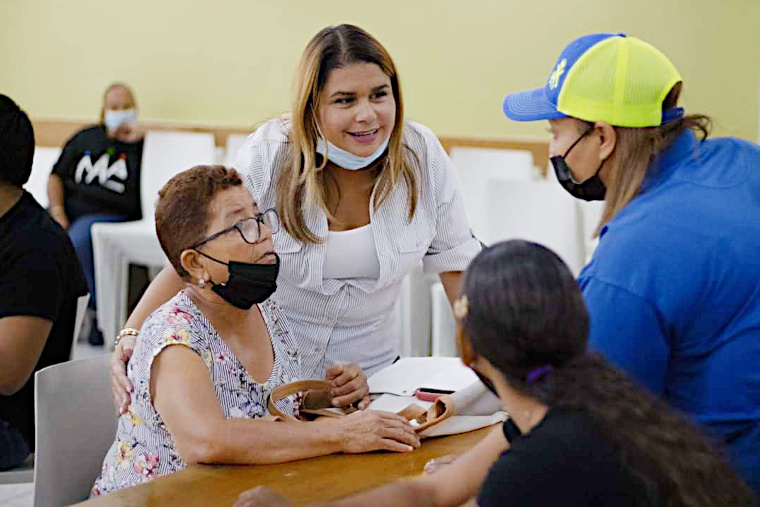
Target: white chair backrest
x,y
403,318
412,314
475,167
78,319
234,143
42,166
166,154
219,154
539,211
75,426
591,213
444,324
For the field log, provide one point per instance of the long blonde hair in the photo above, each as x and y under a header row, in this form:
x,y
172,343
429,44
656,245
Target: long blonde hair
x,y
636,149
302,179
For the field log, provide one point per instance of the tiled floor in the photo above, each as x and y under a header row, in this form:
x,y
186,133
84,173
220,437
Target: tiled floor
x,y
17,495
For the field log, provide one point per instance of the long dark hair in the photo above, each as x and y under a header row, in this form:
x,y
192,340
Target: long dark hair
x,y
525,310
636,150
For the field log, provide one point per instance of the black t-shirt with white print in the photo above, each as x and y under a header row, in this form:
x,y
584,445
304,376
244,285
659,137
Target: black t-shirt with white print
x,y
100,175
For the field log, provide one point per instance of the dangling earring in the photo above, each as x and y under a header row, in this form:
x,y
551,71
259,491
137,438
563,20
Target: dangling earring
x,y
201,283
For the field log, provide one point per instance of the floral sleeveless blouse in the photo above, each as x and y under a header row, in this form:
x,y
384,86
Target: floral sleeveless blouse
x,y
144,448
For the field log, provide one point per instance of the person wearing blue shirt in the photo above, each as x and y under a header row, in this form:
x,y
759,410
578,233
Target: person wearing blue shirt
x,y
673,289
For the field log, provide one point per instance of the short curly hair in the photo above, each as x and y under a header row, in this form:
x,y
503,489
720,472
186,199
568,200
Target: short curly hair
x,y
182,210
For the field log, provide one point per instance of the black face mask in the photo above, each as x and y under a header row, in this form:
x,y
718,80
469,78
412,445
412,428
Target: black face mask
x,y
248,284
590,190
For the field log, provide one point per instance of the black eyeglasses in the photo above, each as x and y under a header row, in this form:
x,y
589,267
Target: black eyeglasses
x,y
249,228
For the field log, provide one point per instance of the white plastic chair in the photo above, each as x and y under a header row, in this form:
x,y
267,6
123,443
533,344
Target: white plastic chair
x,y
476,167
78,319
25,473
444,324
42,165
539,211
233,145
219,155
75,426
412,314
403,318
591,213
117,245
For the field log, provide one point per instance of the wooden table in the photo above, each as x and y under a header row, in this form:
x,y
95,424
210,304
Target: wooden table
x,y
325,478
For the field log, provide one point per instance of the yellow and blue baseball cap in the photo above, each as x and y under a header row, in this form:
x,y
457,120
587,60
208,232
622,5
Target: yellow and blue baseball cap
x,y
603,77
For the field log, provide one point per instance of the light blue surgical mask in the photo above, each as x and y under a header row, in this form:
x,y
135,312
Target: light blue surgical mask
x,y
347,160
113,118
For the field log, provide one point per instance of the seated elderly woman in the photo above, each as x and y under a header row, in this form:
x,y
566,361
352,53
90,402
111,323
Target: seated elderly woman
x,y
207,360
581,432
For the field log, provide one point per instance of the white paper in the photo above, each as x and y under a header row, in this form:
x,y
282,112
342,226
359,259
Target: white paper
x,y
458,423
395,404
476,400
407,375
463,424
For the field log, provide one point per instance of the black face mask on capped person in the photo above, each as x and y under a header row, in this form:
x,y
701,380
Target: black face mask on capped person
x,y
593,189
590,190
248,284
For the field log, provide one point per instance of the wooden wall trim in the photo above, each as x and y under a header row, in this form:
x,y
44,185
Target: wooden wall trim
x,y
55,133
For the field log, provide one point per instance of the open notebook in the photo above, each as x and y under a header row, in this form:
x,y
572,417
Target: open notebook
x,y
407,375
474,406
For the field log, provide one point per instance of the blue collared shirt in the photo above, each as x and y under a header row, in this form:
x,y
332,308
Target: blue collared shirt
x,y
673,289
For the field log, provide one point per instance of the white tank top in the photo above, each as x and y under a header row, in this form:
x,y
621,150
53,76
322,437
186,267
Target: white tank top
x,y
351,254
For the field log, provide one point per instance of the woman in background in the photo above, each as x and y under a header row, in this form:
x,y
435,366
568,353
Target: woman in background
x,y
97,179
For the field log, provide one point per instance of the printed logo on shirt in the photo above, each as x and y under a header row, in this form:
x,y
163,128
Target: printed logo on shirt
x,y
107,174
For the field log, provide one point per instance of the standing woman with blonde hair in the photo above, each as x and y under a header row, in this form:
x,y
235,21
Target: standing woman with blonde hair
x,y
364,196
673,288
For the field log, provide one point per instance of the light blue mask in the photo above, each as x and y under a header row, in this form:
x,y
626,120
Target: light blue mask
x,y
113,118
347,160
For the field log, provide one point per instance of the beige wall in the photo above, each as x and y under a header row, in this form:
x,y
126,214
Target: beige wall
x,y
230,62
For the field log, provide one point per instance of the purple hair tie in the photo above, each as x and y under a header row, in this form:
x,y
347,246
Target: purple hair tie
x,y
539,372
